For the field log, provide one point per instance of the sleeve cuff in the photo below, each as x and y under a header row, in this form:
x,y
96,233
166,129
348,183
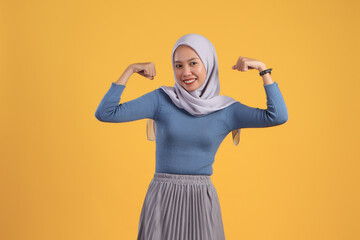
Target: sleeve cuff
x,y
271,84
116,89
113,84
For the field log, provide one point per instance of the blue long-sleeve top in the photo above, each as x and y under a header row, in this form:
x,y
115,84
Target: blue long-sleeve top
x,y
186,144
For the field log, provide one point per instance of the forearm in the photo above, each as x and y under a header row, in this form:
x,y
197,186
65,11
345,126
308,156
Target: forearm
x,y
125,76
266,77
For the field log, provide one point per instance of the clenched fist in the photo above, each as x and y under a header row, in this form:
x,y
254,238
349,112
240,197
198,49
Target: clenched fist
x,y
244,64
144,69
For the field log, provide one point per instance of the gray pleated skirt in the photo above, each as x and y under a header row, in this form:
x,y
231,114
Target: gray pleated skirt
x,y
181,207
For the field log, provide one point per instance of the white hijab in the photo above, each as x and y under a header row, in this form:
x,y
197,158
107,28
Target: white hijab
x,y
205,99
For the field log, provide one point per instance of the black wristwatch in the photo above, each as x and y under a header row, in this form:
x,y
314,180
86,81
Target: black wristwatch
x,y
265,71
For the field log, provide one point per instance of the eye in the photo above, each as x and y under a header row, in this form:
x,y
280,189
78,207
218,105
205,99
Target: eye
x,y
180,64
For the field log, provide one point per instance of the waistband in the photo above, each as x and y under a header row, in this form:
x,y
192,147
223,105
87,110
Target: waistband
x,y
183,179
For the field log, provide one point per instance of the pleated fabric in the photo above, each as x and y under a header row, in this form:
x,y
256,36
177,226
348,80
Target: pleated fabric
x,y
181,207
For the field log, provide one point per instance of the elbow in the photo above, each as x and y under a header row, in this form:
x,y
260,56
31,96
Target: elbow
x,y
106,117
102,116
98,113
282,119
98,116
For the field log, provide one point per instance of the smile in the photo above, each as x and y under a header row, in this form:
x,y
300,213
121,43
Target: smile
x,y
189,82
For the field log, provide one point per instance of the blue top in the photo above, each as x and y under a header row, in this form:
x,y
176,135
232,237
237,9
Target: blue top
x,y
186,144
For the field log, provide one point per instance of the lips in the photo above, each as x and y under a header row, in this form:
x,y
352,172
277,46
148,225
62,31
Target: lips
x,y
189,81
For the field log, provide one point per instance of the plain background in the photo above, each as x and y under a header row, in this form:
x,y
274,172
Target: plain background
x,y
66,175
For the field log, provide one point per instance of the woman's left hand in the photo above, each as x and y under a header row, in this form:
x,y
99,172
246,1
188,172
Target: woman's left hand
x,y
244,64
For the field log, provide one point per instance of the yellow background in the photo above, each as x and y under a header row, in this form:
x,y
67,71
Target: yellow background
x,y
66,175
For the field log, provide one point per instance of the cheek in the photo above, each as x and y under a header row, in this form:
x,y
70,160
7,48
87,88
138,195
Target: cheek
x,y
178,77
202,74
198,71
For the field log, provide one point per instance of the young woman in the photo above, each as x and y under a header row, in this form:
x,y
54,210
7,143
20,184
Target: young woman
x,y
189,121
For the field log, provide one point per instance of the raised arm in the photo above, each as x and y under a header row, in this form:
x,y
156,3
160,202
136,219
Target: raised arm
x,y
145,106
242,116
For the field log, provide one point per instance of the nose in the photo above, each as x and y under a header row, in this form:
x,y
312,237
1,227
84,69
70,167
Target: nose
x,y
187,71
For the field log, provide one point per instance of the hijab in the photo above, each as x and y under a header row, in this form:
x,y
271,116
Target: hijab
x,y
206,98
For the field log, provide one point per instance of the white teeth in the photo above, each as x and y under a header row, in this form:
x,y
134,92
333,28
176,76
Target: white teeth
x,y
190,81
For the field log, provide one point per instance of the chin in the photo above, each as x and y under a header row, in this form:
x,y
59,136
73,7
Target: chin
x,y
191,89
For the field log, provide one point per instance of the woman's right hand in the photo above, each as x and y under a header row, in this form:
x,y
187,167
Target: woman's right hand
x,y
144,69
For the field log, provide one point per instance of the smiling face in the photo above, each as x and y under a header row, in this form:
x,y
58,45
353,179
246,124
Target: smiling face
x,y
190,71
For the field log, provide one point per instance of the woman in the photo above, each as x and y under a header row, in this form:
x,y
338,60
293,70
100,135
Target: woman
x,y
189,121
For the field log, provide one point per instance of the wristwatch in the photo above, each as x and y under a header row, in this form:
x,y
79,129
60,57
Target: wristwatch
x,y
265,71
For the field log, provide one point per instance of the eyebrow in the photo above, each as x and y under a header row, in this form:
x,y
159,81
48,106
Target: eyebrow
x,y
188,60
